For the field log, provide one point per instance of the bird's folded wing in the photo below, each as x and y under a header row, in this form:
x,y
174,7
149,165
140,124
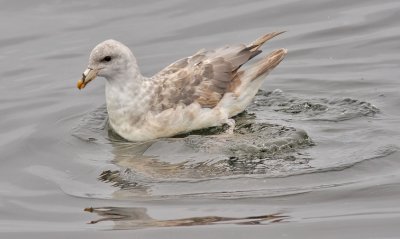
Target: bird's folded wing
x,y
204,77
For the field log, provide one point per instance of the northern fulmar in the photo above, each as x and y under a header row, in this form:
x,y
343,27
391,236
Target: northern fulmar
x,y
199,91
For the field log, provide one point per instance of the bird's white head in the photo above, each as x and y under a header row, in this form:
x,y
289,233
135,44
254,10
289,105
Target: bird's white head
x,y
108,59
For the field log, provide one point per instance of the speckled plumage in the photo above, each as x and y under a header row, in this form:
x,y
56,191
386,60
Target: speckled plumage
x,y
196,92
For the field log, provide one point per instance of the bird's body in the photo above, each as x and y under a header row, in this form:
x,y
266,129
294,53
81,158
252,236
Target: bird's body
x,y
196,92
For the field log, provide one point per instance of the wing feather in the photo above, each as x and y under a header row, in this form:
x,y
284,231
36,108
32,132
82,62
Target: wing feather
x,y
205,77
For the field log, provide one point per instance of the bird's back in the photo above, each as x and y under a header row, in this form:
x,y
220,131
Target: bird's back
x,y
207,76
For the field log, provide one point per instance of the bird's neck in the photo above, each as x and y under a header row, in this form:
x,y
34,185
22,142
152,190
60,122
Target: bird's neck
x,y
125,81
125,97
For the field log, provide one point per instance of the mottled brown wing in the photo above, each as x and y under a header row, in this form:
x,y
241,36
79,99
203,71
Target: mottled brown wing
x,y
203,78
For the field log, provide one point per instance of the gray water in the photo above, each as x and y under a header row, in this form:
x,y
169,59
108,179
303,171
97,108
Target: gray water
x,y
315,156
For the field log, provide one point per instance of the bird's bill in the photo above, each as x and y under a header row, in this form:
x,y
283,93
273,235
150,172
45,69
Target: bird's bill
x,y
87,76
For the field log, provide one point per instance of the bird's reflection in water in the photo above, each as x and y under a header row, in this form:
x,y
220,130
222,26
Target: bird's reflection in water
x,y
136,217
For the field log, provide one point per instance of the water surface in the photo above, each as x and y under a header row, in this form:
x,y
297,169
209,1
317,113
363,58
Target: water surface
x,y
315,155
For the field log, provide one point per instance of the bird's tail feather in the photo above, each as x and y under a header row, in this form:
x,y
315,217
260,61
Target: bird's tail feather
x,y
268,63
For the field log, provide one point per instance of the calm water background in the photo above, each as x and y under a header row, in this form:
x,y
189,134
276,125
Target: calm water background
x,y
337,50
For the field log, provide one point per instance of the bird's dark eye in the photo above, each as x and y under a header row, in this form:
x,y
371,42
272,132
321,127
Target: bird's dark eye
x,y
107,58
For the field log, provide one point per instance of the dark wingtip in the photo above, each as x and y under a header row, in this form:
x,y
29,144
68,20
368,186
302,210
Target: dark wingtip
x,y
261,40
